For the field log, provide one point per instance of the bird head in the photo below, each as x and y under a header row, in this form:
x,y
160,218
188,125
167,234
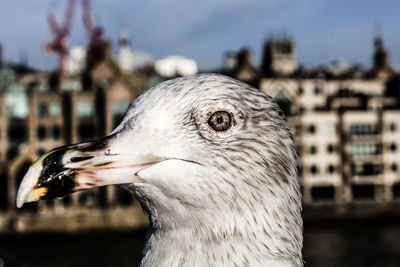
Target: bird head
x,y
196,151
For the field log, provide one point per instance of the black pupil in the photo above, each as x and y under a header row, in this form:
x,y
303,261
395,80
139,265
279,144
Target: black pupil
x,y
220,121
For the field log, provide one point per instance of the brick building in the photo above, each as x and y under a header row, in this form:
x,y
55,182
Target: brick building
x,y
40,111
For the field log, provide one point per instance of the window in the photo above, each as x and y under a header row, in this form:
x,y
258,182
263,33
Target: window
x,y
16,102
300,91
366,169
330,148
311,129
363,191
331,169
72,85
56,132
317,90
314,169
362,129
41,132
393,167
86,130
55,109
87,124
393,147
313,149
85,109
323,193
17,131
365,149
42,110
393,127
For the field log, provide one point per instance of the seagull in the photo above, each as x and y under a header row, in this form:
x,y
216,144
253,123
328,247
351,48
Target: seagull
x,y
213,164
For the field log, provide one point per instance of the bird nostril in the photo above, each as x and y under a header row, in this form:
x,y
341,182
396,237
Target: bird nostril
x,y
78,159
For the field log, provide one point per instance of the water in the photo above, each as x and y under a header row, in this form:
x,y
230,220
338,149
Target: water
x,y
363,242
337,242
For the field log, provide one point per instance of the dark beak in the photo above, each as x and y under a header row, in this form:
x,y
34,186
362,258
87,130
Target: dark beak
x,y
78,167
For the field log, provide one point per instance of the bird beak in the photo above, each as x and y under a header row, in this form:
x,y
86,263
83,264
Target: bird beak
x,y
78,167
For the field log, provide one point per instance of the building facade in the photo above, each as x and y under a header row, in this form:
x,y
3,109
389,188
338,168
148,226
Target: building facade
x,y
41,111
345,121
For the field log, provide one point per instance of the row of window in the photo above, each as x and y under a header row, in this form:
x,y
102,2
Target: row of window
x,y
328,128
393,147
317,90
361,149
329,148
314,169
355,129
84,108
52,109
51,132
358,169
86,130
368,129
18,133
370,149
362,129
366,169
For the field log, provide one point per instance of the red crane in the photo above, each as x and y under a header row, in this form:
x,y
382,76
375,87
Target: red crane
x,y
94,34
60,43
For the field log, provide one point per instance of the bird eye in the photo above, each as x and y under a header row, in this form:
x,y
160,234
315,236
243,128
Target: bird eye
x,y
220,121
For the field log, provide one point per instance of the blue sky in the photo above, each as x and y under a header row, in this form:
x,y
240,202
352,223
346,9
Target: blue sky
x,y
204,30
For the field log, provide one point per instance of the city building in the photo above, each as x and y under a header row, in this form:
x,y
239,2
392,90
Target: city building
x,y
345,121
41,111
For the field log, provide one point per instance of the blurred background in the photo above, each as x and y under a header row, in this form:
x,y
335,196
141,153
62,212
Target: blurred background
x,y
69,68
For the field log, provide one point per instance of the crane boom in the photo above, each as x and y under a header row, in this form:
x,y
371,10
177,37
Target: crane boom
x,y
68,15
59,45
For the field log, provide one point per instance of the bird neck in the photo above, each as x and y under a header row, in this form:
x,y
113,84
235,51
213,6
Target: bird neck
x,y
261,224
213,236
184,247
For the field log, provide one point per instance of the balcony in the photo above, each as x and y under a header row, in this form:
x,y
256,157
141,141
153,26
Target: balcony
x,y
363,132
366,172
365,152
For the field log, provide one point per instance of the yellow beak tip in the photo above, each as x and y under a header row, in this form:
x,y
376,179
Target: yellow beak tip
x,y
34,195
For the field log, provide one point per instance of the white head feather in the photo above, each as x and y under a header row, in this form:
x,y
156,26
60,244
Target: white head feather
x,y
240,203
